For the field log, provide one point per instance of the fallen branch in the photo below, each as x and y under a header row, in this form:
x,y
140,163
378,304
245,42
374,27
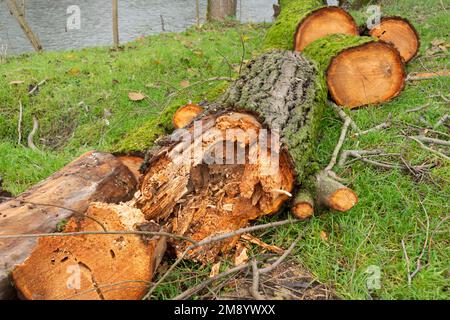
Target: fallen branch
x,y
432,140
31,144
427,75
418,108
344,117
338,147
423,146
381,126
441,121
255,284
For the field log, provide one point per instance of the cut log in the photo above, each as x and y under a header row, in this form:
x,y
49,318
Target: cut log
x,y
93,267
332,194
240,161
322,22
185,115
400,33
303,207
304,21
95,176
358,70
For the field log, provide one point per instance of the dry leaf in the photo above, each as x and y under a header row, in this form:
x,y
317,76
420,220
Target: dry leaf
x,y
16,82
324,236
215,270
74,71
198,53
262,244
241,256
136,96
185,84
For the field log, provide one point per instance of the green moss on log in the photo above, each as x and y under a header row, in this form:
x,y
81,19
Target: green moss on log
x,y
281,34
323,50
287,92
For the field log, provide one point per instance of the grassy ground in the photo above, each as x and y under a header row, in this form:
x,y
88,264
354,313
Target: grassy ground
x,y
84,104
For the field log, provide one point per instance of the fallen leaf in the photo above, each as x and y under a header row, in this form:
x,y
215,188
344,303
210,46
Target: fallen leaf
x,y
136,96
198,53
324,236
185,84
215,270
74,71
16,82
241,255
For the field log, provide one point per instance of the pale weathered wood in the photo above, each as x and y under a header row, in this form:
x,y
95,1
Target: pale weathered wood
x,y
115,15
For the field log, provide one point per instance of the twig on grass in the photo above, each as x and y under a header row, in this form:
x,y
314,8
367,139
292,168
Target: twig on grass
x,y
255,283
338,147
423,146
418,108
36,87
441,121
31,144
381,126
19,124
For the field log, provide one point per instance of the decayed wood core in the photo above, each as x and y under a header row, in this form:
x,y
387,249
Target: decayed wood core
x,y
400,33
185,115
199,198
368,74
322,22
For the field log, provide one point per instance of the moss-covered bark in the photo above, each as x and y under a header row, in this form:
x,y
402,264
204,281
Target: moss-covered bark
x,y
322,51
281,34
287,92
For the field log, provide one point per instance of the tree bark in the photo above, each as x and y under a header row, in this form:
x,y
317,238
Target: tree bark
x,y
219,10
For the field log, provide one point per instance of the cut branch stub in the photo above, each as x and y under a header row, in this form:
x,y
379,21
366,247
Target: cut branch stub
x,y
323,22
185,115
333,194
400,33
303,207
358,70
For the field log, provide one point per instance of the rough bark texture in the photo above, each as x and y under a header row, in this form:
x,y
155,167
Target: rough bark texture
x,y
93,267
280,91
219,10
400,33
358,70
94,176
286,91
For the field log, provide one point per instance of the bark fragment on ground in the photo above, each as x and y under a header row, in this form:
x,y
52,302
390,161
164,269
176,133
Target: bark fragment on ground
x,y
400,33
94,267
94,176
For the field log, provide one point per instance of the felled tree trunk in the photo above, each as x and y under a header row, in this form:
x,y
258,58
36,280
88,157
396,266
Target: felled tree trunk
x,y
359,71
95,176
400,33
218,10
242,158
304,21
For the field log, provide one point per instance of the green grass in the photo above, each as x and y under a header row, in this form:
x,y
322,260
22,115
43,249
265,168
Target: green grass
x,y
393,205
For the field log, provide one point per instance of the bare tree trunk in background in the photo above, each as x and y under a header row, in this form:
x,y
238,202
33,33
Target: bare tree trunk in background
x,y
219,10
115,14
17,12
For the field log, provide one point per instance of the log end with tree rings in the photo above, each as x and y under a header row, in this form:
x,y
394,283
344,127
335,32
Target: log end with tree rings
x,y
323,22
185,115
400,33
367,74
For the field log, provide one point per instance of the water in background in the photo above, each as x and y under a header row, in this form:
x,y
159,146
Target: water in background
x,y
48,18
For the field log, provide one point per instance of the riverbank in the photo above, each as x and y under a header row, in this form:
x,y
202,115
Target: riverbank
x,y
84,104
